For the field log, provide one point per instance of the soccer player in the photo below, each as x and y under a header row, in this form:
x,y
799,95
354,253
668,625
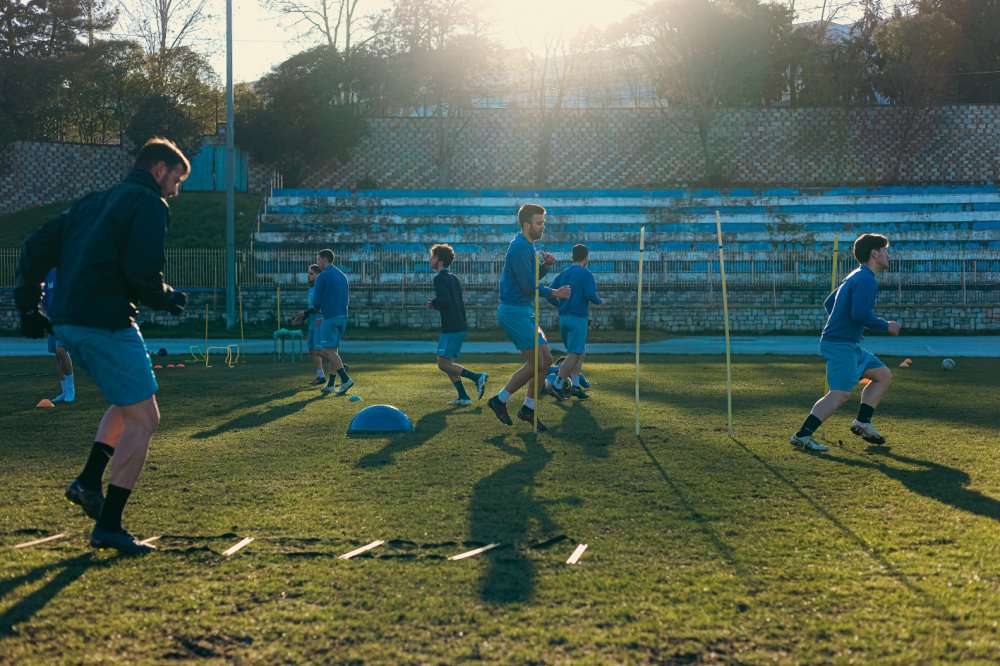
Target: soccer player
x,y
574,313
64,364
314,323
851,310
109,248
516,312
449,302
330,300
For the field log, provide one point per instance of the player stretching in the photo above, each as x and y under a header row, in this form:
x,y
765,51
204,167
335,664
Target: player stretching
x,y
851,309
516,312
449,302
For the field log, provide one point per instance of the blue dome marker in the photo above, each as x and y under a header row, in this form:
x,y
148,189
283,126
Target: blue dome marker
x,y
380,418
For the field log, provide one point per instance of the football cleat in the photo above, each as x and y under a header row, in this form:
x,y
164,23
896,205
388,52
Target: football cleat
x,y
807,443
481,385
120,540
867,432
461,402
500,409
528,414
91,501
344,387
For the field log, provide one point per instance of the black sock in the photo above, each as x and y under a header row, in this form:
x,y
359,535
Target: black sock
x,y
114,505
865,413
93,471
342,373
460,388
809,426
468,374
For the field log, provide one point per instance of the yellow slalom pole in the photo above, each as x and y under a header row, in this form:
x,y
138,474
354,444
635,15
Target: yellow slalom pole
x,y
638,325
534,424
243,343
725,314
833,287
206,330
279,306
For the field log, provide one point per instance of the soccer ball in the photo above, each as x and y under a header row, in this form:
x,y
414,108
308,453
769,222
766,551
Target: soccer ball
x,y
948,364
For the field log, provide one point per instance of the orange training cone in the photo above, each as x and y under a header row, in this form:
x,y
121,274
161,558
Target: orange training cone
x,y
157,367
170,365
44,402
180,365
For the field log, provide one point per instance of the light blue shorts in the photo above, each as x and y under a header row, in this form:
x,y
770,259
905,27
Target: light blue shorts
x,y
574,333
312,337
450,344
54,342
518,322
846,362
330,332
117,360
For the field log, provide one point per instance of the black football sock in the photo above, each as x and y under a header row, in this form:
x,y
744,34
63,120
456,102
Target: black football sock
x,y
461,389
93,471
468,374
342,373
865,413
808,426
114,506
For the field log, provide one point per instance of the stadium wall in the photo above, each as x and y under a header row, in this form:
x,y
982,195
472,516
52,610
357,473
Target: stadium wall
x,y
593,148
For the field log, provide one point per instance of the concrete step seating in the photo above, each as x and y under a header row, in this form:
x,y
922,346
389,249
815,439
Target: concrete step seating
x,y
936,231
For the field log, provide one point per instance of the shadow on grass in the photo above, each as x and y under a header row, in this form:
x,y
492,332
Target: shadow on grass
x,y
503,510
580,427
891,569
257,419
426,428
944,484
703,524
66,572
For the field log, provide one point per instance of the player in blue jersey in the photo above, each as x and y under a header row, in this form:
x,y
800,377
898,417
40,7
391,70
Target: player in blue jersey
x,y
64,364
448,300
516,312
851,309
314,322
330,300
574,321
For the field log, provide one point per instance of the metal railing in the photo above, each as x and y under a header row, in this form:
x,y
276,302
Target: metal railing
x,y
977,271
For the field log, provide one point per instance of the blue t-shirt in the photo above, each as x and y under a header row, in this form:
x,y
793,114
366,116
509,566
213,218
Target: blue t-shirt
x,y
517,280
49,290
584,292
852,308
310,292
330,293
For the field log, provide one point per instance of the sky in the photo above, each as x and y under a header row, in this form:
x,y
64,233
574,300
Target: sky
x,y
260,41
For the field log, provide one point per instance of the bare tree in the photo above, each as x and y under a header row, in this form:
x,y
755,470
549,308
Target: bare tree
x,y
332,21
162,25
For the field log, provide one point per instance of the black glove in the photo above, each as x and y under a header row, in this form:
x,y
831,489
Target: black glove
x,y
34,324
176,301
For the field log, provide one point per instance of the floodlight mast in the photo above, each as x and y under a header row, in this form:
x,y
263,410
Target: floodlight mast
x,y
230,178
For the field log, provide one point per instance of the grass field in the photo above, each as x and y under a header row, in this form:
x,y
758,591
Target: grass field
x,y
701,548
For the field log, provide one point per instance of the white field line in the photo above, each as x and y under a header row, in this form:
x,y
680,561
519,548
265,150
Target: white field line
x,y
363,549
38,541
577,554
240,545
473,553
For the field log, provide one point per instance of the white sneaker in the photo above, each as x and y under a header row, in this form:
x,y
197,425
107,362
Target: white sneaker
x,y
344,387
461,402
808,443
867,432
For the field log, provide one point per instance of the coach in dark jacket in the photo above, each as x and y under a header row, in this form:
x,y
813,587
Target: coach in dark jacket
x,y
109,249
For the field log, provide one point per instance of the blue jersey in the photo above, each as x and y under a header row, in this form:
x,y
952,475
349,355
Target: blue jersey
x,y
310,301
517,280
852,308
330,293
584,292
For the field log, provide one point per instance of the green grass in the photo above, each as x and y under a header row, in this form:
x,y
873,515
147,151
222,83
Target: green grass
x,y
701,547
197,220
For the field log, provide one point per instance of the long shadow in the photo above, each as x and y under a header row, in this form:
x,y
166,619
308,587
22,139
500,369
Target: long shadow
x,y
503,510
425,429
254,401
256,419
938,482
68,570
891,569
703,524
580,426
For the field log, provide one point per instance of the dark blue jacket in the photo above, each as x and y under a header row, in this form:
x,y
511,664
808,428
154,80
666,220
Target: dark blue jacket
x,y
448,300
109,249
852,308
